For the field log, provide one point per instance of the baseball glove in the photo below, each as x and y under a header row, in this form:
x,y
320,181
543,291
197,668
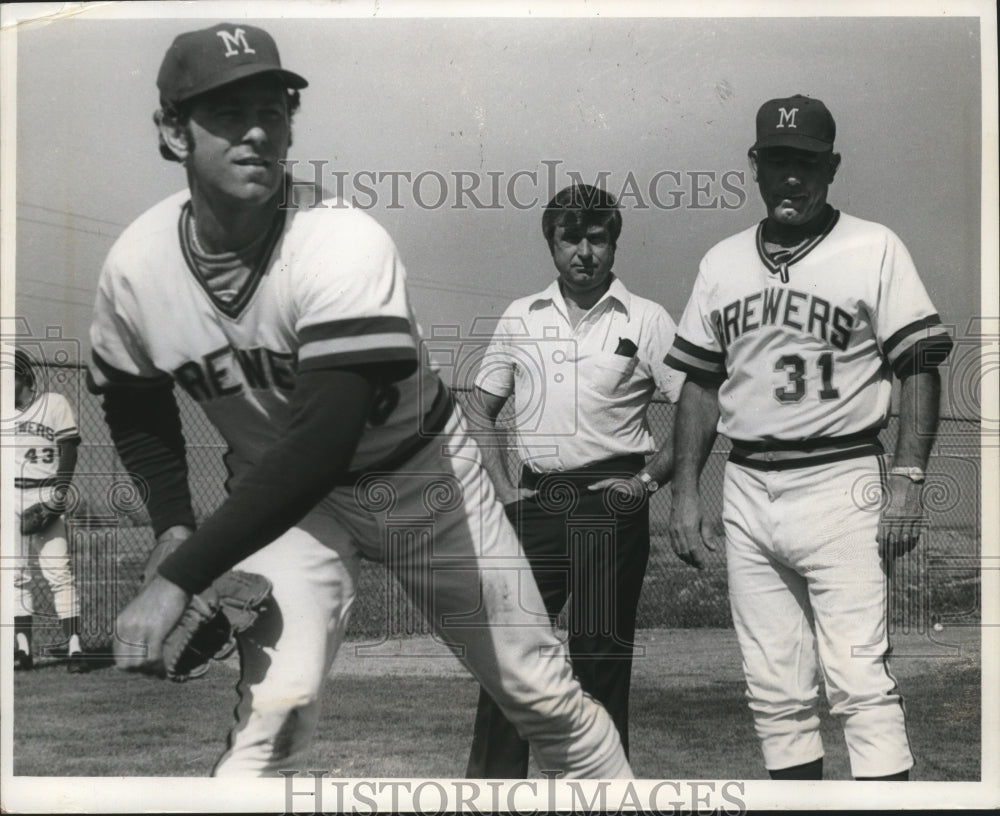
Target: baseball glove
x,y
207,630
37,518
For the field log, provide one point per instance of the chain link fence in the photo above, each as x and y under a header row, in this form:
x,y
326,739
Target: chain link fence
x,y
111,537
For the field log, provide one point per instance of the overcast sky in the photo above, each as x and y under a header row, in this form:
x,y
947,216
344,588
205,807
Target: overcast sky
x,y
664,108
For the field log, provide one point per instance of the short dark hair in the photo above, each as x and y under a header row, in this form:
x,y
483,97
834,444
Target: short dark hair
x,y
583,206
24,366
180,113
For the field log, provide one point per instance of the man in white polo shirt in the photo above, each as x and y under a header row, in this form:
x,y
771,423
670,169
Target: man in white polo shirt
x,y
583,359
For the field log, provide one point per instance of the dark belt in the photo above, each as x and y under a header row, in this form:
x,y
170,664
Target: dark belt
x,y
781,455
48,481
615,467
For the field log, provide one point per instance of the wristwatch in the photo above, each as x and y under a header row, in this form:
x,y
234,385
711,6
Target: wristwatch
x,y
649,482
914,474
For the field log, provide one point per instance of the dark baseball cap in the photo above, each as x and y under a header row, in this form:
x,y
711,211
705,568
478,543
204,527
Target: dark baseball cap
x,y
200,61
795,121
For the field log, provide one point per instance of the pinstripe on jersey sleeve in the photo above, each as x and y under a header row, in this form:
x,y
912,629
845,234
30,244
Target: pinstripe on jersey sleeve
x,y
352,307
908,328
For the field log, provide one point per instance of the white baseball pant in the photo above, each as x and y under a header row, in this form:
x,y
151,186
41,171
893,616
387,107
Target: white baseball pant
x,y
439,528
52,548
807,591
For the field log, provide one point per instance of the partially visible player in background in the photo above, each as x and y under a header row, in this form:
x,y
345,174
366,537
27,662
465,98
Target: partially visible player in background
x,y
45,459
291,327
790,340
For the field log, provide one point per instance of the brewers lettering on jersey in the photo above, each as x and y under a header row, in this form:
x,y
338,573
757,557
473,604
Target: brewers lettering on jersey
x,y
790,340
292,330
816,346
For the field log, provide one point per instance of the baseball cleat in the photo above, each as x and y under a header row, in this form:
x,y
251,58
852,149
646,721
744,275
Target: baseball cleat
x,y
23,661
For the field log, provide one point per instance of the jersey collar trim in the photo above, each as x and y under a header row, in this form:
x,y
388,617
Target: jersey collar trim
x,y
232,308
779,264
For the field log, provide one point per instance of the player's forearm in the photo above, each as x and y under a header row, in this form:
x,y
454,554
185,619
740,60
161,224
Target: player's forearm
x,y
694,433
64,473
67,463
493,440
329,409
661,466
919,409
145,427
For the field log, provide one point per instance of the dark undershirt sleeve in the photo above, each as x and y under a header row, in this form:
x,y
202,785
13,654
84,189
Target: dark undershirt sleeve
x,y
328,413
145,427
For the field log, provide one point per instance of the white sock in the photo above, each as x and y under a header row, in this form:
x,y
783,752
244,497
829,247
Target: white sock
x,y
74,644
22,643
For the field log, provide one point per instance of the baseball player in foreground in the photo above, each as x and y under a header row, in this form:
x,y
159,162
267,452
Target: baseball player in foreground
x,y
790,340
44,460
292,329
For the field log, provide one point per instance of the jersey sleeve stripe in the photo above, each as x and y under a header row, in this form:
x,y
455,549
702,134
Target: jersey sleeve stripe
x,y
354,327
910,333
354,356
697,351
102,375
698,362
398,344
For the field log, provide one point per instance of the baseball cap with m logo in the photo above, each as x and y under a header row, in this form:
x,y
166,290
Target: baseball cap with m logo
x,y
795,121
200,61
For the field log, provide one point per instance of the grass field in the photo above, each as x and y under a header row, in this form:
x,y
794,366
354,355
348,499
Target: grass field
x,y
399,716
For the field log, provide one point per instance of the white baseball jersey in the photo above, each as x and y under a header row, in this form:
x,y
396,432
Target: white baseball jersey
x,y
581,393
805,349
38,430
328,292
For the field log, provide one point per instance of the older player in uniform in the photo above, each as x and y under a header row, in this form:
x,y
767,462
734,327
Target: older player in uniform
x,y
292,329
790,340
45,457
583,359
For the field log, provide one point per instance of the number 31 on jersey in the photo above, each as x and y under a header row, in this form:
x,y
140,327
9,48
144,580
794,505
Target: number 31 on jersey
x,y
800,380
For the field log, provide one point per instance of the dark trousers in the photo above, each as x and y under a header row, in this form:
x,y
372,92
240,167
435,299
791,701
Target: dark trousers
x,y
586,547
